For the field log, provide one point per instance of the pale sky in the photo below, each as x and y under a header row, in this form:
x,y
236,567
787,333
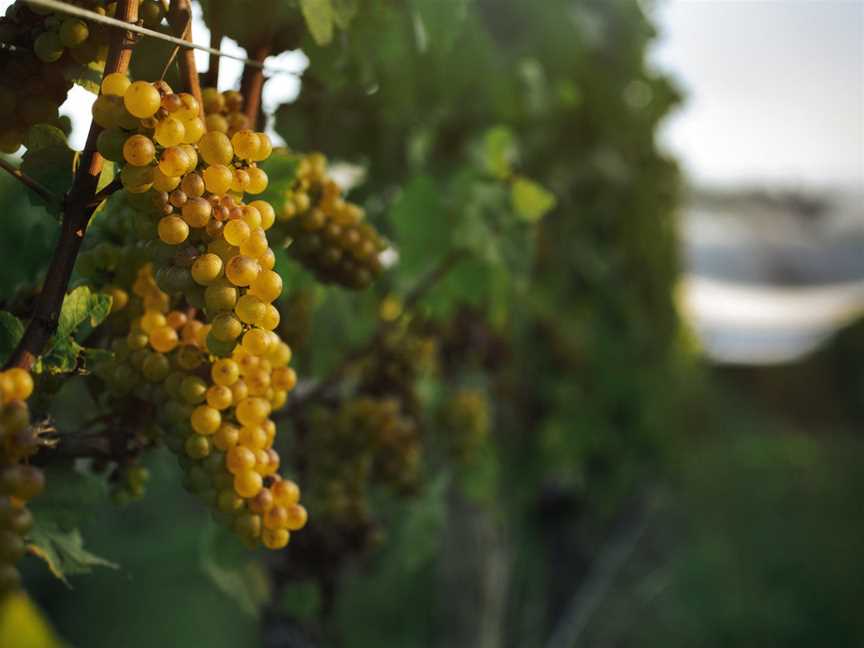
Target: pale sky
x,y
775,89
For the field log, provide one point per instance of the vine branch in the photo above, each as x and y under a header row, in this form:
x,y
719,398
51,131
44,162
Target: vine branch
x,y
32,184
180,19
211,77
78,208
252,84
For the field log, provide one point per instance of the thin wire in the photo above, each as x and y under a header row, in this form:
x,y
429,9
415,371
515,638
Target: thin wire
x,y
73,10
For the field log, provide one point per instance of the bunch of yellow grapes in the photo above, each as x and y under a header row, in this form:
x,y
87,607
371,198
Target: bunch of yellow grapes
x,y
224,111
215,355
328,233
215,412
19,482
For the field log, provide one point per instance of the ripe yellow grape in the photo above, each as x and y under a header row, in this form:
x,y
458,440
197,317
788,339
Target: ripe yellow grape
x,y
219,397
242,270
276,517
256,341
246,144
267,260
216,123
170,132
258,381
250,309
164,339
175,161
205,419
215,148
226,436
239,459
206,268
197,212
267,286
265,209
240,181
172,230
194,130
236,232
115,84
270,319
151,320
139,150
142,99
265,148
297,517
225,372
162,182
253,437
21,383
189,109
258,180
248,483
284,378
217,179
252,411
256,245
275,538
193,185
251,216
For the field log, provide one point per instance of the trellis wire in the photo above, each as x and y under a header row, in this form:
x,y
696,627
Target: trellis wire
x,y
80,12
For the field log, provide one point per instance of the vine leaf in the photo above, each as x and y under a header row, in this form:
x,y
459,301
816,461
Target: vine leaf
x,y
11,331
499,152
88,76
228,564
43,136
80,307
51,163
63,551
344,12
23,625
319,18
531,201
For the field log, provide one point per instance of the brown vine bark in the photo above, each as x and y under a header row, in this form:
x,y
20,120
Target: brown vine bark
x,y
180,18
78,207
252,84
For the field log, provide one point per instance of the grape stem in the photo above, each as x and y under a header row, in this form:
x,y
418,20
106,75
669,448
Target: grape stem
x,y
77,208
180,19
34,185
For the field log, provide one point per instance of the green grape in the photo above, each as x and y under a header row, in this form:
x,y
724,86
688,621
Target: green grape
x,y
137,179
73,32
47,47
220,296
226,327
193,390
110,144
197,446
156,367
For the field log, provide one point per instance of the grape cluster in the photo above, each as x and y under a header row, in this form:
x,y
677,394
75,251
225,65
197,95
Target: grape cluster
x,y
198,339
42,52
328,233
214,413
19,482
224,111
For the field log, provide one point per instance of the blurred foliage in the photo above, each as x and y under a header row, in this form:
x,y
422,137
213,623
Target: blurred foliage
x,y
508,154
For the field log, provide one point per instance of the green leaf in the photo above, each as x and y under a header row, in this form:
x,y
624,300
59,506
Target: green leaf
x,y
499,152
82,305
281,169
53,167
43,136
63,550
421,225
11,331
531,200
88,77
319,18
231,568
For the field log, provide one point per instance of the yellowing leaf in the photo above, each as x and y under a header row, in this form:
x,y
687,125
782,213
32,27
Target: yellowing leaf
x,y
319,19
530,199
22,625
